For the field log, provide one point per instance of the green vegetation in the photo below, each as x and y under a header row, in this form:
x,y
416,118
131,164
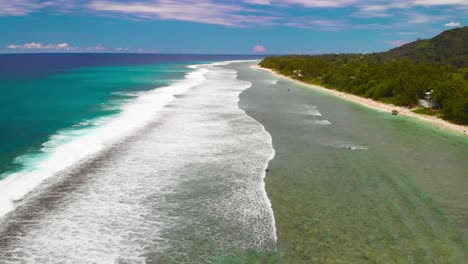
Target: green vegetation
x,y
449,48
400,76
427,111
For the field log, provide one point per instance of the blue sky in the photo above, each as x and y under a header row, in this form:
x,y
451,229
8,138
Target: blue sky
x,y
222,26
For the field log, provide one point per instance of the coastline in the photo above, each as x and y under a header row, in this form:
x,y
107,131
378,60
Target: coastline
x,y
342,191
435,121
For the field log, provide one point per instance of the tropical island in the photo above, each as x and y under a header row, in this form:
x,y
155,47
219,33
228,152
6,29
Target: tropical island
x,y
146,132
429,76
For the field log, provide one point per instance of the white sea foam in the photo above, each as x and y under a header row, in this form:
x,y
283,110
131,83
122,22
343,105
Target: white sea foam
x,y
312,110
225,63
263,187
134,115
194,173
305,109
321,122
271,82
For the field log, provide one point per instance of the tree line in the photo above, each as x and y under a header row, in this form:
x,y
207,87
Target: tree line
x,y
376,76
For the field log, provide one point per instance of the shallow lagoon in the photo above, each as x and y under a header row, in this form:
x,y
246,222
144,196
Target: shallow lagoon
x,y
350,184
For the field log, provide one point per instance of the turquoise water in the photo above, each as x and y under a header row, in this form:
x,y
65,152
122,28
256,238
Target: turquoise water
x,y
186,178
34,109
175,177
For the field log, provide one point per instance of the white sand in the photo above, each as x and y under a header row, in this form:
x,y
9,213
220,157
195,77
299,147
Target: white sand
x,y
438,122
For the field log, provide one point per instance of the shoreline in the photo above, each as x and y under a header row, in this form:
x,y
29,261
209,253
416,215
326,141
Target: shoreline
x,y
314,170
435,121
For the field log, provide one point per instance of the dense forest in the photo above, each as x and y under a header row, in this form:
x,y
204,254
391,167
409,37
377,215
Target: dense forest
x,y
400,76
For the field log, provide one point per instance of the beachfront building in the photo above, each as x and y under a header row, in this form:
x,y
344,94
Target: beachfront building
x,y
297,74
427,101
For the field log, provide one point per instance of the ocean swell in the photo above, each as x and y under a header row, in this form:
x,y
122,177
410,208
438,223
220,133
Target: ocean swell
x,y
70,146
188,184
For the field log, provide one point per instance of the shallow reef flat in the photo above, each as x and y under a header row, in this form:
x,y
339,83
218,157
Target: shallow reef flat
x,y
362,187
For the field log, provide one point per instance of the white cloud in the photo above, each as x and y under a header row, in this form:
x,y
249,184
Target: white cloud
x,y
440,2
18,7
421,18
319,3
379,5
25,7
207,12
258,2
317,24
376,10
418,18
249,13
453,24
61,47
34,45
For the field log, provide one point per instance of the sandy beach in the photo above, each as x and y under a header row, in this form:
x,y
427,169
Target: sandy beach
x,y
435,121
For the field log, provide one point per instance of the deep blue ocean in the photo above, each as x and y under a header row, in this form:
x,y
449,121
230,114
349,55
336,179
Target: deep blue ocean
x,y
44,98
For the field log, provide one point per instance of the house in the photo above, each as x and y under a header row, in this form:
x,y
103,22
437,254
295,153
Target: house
x,y
427,101
297,74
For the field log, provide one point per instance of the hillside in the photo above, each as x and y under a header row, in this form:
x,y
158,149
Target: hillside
x,y
449,47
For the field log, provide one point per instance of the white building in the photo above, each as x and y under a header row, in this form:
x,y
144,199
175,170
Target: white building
x,y
427,102
297,74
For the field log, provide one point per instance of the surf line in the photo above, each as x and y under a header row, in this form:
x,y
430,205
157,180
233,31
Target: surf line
x,y
265,167
135,115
